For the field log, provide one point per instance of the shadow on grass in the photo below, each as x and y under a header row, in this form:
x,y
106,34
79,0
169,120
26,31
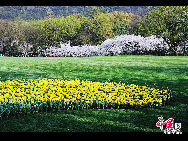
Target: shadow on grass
x,y
76,121
107,120
176,82
7,75
127,73
101,120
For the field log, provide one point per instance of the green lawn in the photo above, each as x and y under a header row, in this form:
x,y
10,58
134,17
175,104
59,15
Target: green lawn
x,y
157,71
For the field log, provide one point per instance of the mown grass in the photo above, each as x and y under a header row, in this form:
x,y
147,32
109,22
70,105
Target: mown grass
x,y
157,71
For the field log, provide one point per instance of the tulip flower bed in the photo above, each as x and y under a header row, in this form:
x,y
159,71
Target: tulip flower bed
x,y
28,96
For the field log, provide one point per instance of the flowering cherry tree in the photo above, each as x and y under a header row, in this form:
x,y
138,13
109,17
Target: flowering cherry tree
x,y
123,44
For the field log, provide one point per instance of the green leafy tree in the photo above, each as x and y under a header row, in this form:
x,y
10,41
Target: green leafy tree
x,y
166,22
123,23
95,28
120,28
99,25
9,31
56,30
4,32
84,35
184,28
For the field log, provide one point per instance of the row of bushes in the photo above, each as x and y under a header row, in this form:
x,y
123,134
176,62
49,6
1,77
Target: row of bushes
x,y
123,44
120,45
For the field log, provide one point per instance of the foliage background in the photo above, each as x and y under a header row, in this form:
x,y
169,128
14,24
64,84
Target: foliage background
x,y
93,27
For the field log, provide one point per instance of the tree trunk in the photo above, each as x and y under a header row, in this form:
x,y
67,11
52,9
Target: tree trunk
x,y
184,53
1,45
174,49
176,52
45,52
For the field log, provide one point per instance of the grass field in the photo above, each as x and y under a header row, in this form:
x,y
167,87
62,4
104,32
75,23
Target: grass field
x,y
157,71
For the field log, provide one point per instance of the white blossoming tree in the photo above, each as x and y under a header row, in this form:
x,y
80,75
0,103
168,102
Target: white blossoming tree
x,y
123,44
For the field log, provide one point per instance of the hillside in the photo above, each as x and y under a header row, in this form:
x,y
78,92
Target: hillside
x,y
41,12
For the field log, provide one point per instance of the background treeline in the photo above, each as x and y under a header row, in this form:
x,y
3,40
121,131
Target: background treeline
x,y
92,29
41,12
28,38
